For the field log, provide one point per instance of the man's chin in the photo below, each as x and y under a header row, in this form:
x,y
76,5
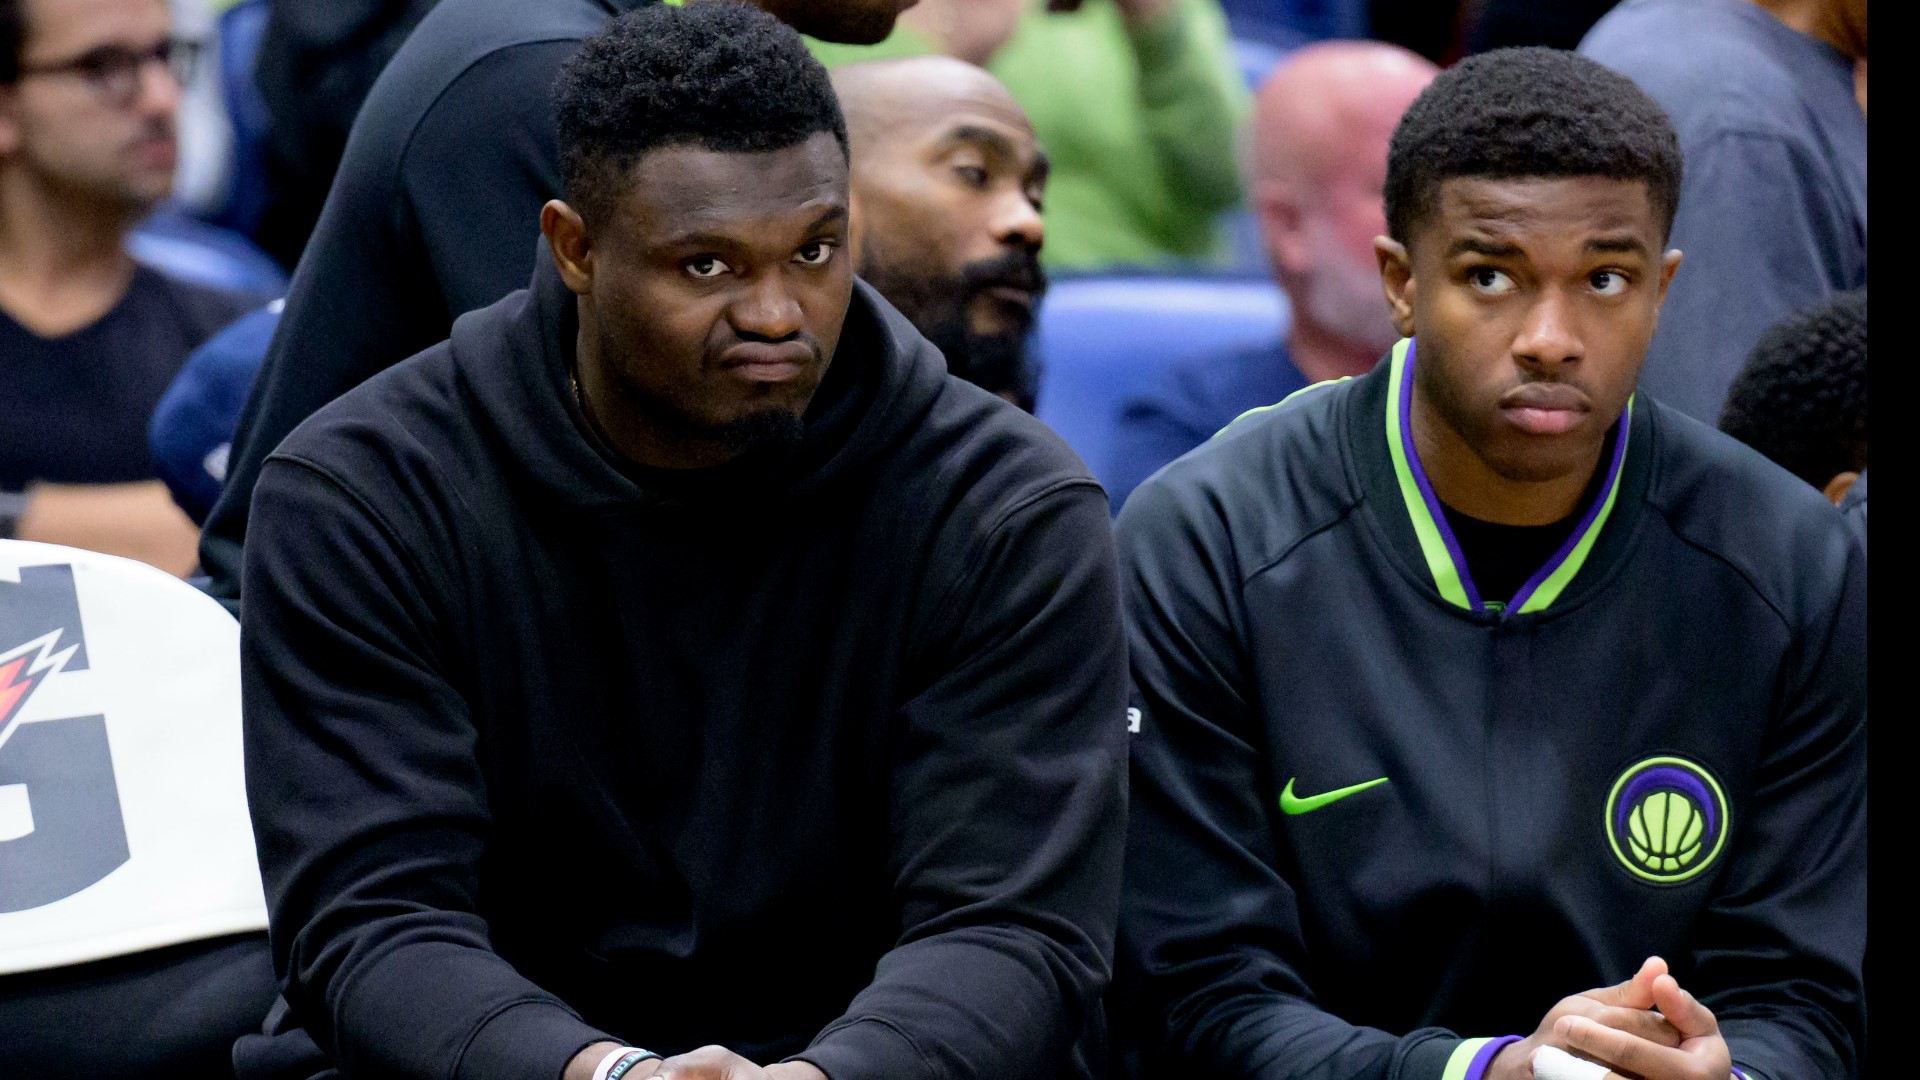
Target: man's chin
x,y
773,430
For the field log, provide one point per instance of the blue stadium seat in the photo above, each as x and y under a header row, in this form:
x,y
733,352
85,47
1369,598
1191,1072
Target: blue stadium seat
x,y
1100,340
182,246
192,427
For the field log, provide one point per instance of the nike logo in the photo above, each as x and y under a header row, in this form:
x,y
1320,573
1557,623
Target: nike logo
x,y
1292,804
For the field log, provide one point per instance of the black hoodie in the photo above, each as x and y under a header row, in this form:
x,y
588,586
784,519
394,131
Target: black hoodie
x,y
821,757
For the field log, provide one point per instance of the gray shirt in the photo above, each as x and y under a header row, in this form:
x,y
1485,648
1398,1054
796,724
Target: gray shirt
x,y
1773,207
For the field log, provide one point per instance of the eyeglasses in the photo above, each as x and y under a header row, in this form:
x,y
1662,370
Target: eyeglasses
x,y
113,71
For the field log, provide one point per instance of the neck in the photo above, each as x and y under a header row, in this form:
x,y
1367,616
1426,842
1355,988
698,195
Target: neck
x,y
1321,354
1463,480
1820,19
63,263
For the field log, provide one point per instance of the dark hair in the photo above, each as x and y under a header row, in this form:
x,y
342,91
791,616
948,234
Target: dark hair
x,y
1801,399
13,38
722,76
1531,112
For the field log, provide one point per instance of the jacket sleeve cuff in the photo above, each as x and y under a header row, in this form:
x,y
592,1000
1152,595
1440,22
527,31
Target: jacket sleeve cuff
x,y
866,1049
529,1038
1470,1057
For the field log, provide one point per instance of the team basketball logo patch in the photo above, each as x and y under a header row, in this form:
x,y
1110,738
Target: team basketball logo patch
x,y
1666,819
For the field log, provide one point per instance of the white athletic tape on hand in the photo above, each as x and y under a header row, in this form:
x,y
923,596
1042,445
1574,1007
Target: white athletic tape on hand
x,y
1553,1063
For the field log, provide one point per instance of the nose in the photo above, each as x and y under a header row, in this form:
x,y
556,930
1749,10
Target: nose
x,y
1016,221
159,91
1549,336
767,310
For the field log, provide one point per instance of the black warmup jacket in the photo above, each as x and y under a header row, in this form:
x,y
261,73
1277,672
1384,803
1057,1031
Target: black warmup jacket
x,y
435,212
1368,821
822,757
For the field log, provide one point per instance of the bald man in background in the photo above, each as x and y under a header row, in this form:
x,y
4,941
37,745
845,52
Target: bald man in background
x,y
1317,161
946,185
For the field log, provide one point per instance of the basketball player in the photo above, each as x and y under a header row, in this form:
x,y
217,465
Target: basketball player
x,y
1486,705
679,654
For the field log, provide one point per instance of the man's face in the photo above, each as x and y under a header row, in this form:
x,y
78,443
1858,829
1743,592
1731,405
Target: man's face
x,y
73,122
855,22
1533,301
948,229
713,294
1339,224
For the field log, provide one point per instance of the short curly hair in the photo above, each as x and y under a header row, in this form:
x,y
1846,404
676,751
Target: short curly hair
x,y
1531,112
1801,399
721,76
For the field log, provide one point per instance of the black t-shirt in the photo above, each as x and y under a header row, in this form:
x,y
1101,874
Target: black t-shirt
x,y
77,406
1502,557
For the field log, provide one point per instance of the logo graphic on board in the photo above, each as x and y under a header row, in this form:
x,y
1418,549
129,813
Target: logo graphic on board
x,y
61,828
1666,819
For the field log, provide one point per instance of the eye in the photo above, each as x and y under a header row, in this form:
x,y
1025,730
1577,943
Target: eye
x,y
971,175
814,254
1608,282
1490,282
704,266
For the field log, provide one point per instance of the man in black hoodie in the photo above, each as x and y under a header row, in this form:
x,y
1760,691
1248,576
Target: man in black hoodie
x,y
1480,696
679,653
432,213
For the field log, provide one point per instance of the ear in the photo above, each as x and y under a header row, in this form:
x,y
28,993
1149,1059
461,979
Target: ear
x,y
566,237
1396,278
1837,487
9,127
1669,265
1280,217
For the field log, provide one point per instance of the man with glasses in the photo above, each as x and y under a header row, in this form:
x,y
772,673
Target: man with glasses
x,y
88,339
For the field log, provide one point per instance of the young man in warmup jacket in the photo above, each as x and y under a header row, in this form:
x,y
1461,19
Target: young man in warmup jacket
x,y
1479,681
679,654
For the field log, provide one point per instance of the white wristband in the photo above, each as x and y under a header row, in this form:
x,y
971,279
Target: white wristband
x,y
614,1057
1553,1063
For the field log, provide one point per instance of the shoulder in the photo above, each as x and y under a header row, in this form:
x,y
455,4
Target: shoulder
x,y
1717,68
1272,477
993,457
203,311
1724,499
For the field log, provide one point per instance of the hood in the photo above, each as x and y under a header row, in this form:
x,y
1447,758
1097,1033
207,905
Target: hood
x,y
513,360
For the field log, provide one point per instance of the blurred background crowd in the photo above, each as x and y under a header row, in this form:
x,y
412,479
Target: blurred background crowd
x,y
1212,191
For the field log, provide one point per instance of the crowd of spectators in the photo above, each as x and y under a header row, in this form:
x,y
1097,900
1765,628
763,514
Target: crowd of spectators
x,y
614,432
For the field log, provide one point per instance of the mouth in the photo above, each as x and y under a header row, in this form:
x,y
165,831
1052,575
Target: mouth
x,y
1545,408
1013,295
768,363
156,150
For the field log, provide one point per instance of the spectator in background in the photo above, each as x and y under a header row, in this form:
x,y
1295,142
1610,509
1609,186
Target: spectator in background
x,y
434,211
1773,214
1135,101
1801,399
89,339
946,187
1317,160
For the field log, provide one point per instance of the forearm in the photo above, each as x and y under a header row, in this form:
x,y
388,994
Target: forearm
x,y
1189,98
136,521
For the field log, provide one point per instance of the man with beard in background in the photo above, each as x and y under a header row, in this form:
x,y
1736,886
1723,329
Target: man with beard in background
x,y
1317,163
946,188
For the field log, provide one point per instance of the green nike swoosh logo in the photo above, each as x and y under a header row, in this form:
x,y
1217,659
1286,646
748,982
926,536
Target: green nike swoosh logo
x,y
1291,804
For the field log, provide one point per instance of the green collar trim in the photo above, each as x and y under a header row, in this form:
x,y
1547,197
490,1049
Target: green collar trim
x,y
1437,543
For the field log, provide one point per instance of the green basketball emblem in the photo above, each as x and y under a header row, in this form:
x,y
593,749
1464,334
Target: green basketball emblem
x,y
1666,819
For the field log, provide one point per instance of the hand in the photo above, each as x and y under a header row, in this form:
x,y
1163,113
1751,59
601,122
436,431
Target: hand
x,y
719,1063
794,1070
1621,1009
1701,1054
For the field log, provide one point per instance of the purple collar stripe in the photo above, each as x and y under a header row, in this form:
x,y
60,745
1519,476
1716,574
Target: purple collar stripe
x,y
1572,552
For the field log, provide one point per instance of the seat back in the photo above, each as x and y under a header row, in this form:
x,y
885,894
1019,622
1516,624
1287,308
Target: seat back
x,y
192,428
1102,340
123,810
192,250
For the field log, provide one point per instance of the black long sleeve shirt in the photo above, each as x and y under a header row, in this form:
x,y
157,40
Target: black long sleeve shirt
x,y
821,759
1372,821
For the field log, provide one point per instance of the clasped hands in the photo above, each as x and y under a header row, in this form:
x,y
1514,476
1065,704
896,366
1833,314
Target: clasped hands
x,y
1647,1027
706,1063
